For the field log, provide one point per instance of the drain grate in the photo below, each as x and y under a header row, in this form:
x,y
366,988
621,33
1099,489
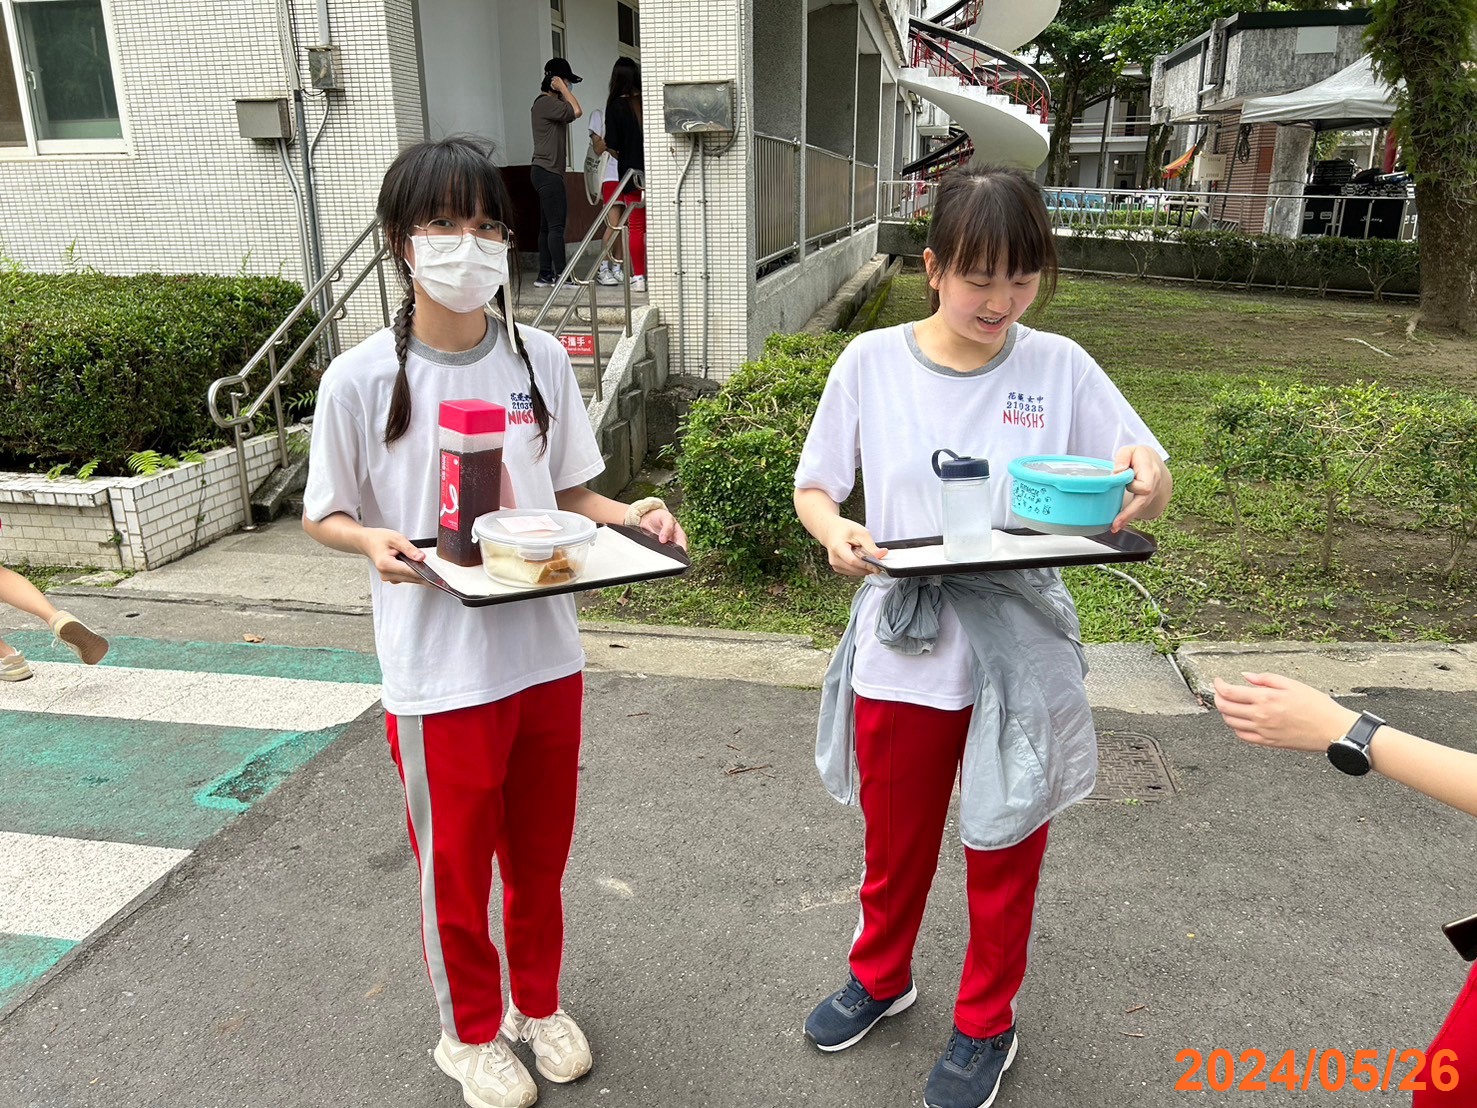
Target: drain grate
x,y
1131,767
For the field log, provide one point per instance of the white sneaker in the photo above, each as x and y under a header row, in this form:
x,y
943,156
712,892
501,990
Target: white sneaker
x,y
604,276
490,1075
13,667
87,644
618,272
638,284
560,1050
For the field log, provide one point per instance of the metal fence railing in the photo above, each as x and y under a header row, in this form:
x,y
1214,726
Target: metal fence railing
x,y
776,198
1085,210
904,200
1374,215
864,203
827,193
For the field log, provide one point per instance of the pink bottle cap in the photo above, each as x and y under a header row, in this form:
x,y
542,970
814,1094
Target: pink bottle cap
x,y
473,417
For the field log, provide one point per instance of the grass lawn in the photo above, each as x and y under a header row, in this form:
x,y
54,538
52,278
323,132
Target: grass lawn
x,y
1170,350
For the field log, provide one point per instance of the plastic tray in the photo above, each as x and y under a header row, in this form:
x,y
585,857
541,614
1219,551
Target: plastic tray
x,y
619,556
1018,548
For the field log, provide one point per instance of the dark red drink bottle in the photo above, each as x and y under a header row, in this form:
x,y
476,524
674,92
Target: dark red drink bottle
x,y
471,474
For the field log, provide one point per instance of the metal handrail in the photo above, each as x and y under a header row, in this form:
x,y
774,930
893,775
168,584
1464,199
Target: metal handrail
x,y
599,223
579,251
240,417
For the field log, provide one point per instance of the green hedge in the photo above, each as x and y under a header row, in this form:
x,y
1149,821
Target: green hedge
x,y
96,368
739,453
1233,258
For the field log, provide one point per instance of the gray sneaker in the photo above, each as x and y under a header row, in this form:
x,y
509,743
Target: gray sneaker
x,y
968,1075
844,1018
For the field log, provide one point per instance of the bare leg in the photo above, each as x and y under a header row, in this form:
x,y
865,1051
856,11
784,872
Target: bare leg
x,y
18,592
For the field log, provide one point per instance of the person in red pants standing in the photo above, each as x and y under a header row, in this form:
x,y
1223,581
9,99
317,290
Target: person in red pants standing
x,y
483,705
975,676
1273,710
626,144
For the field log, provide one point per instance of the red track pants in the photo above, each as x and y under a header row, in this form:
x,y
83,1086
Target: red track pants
x,y
497,780
909,758
1458,1034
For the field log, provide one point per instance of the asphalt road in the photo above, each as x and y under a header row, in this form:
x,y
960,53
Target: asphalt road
x,y
1270,904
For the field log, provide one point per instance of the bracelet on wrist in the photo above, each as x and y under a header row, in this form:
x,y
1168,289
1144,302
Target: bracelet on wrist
x,y
638,511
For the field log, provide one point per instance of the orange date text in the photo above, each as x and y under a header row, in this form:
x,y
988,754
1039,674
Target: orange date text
x,y
1365,1070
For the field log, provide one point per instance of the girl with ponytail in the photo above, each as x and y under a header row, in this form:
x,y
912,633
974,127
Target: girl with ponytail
x,y
483,705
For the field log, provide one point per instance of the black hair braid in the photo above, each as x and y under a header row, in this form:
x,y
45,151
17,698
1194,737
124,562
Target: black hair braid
x,y
540,407
399,419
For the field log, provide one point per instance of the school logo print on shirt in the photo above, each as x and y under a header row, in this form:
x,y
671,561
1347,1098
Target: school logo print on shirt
x,y
1026,411
520,408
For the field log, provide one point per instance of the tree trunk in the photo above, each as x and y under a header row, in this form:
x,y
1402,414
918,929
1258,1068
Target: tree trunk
x,y
1427,43
1060,152
1448,245
1159,134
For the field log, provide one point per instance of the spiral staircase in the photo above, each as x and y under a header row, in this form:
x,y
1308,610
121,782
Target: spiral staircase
x,y
963,60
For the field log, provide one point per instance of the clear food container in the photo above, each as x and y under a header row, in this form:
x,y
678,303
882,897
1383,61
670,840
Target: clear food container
x,y
534,547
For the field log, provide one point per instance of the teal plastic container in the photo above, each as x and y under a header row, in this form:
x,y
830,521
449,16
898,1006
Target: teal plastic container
x,y
1060,494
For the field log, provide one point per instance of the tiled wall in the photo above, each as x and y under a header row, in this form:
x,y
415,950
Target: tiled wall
x,y
67,523
127,522
194,196
682,41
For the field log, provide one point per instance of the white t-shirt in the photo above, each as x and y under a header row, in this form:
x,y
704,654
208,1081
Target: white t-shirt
x,y
886,409
610,171
435,653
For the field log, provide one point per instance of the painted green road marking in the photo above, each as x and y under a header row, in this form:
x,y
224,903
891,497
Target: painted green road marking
x,y
251,659
23,958
137,781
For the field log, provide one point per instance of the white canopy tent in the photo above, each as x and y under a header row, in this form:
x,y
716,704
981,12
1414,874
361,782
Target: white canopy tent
x,y
1352,98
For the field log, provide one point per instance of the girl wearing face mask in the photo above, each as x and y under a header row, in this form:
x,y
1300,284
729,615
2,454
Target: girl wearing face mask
x,y
483,705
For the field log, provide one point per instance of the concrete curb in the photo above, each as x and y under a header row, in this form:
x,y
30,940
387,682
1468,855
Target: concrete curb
x,y
1126,672
1336,668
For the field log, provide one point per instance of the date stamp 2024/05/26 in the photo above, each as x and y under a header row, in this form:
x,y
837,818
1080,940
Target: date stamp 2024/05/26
x,y
1368,1070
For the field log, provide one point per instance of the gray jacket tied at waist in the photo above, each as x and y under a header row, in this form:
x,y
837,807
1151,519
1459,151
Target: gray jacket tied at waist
x,y
1031,750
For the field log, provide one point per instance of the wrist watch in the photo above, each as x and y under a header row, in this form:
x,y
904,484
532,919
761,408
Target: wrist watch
x,y
1351,753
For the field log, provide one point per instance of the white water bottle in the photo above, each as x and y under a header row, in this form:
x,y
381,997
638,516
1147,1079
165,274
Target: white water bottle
x,y
965,488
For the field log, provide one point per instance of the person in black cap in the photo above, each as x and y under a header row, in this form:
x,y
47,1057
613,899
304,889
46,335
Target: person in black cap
x,y
555,109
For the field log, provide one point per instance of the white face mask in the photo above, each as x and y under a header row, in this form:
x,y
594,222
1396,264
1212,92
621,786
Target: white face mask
x,y
463,279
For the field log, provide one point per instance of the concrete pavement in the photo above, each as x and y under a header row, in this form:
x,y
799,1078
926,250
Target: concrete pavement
x,y
1256,900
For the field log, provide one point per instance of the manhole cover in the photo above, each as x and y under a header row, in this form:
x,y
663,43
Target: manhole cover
x,y
1130,767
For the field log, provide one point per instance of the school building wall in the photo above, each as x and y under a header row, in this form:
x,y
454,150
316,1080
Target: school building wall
x,y
190,194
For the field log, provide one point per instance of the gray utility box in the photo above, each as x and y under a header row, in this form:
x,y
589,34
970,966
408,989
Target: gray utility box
x,y
325,68
264,117
697,107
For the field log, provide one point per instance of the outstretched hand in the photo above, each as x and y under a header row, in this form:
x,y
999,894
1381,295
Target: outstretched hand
x,y
1273,710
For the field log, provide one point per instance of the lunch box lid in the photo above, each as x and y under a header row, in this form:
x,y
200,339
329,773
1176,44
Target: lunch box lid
x,y
1069,473
534,532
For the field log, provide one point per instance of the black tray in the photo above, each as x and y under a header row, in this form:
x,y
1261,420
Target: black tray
x,y
1127,545
680,565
